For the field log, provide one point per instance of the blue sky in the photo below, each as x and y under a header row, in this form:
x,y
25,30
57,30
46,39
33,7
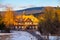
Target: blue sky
x,y
16,4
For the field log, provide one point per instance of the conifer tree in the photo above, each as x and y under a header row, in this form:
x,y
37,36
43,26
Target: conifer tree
x,y
8,17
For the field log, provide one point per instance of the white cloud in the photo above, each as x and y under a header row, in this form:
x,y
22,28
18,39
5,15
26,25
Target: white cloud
x,y
15,7
27,6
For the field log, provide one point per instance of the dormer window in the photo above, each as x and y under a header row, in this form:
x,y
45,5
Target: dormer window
x,y
28,21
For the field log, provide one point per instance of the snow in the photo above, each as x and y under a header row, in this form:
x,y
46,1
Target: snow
x,y
25,35
54,37
38,33
22,35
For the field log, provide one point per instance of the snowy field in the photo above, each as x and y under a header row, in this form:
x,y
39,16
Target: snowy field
x,y
17,35
23,35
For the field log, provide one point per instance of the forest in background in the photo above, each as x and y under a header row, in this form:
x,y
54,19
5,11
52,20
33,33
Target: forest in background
x,y
49,20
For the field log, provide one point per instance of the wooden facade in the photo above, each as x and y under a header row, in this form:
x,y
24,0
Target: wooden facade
x,y
25,22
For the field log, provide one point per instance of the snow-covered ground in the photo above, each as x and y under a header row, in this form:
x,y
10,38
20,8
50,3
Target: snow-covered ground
x,y
24,35
18,35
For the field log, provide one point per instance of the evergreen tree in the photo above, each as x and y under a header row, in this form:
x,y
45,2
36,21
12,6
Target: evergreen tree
x,y
2,25
9,17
